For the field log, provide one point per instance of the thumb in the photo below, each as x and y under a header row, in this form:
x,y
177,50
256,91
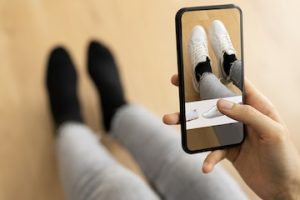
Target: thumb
x,y
263,125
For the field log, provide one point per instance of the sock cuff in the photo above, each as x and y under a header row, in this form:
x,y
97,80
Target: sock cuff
x,y
120,113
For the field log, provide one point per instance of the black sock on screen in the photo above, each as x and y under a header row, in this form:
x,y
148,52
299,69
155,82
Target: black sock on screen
x,y
202,68
228,60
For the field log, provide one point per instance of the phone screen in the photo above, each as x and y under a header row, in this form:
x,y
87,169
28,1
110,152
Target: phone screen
x,y
210,60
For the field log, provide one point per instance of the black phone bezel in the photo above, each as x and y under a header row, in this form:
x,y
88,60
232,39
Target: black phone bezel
x,y
181,72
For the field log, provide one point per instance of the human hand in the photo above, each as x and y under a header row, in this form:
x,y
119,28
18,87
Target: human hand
x,y
267,160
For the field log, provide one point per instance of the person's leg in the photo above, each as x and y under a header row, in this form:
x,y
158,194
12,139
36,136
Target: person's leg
x,y
236,74
229,66
175,174
99,62
156,147
212,88
87,170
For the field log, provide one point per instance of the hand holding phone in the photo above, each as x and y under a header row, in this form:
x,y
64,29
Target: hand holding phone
x,y
267,160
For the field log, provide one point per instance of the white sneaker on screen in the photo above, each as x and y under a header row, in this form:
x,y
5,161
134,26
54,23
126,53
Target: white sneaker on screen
x,y
198,51
191,115
221,44
212,113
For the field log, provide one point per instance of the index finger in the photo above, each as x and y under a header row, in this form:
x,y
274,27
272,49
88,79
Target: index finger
x,y
171,119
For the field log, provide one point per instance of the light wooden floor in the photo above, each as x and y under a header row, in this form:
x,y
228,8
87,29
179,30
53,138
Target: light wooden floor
x,y
142,35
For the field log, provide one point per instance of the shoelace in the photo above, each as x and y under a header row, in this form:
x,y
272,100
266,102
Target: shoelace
x,y
198,51
225,43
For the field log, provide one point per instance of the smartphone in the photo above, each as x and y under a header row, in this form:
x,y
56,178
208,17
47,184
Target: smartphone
x,y
210,67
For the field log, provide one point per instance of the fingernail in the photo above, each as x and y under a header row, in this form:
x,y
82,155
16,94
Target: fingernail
x,y
225,105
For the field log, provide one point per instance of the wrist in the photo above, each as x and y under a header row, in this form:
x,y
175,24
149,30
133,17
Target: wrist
x,y
292,191
291,195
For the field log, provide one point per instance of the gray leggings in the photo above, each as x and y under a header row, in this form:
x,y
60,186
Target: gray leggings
x,y
212,88
89,172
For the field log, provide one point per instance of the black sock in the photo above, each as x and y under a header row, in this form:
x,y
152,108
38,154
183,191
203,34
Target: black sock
x,y
228,60
61,85
103,70
202,68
